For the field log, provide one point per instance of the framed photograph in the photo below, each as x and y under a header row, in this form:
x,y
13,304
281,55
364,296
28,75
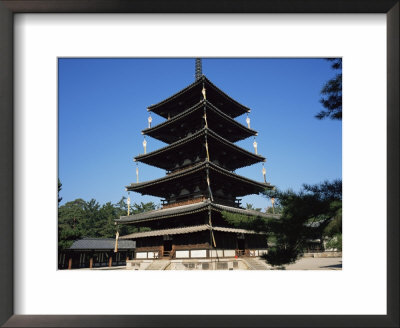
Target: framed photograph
x,y
38,35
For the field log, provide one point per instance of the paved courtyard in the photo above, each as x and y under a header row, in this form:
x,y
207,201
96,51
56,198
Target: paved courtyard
x,y
315,263
305,263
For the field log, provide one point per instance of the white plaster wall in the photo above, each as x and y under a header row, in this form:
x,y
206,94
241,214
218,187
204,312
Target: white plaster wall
x,y
182,254
198,253
219,252
141,255
229,253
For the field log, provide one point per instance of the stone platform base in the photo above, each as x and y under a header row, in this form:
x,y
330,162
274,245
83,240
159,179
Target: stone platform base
x,y
323,254
207,264
188,264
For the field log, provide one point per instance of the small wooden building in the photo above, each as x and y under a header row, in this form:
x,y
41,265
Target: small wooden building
x,y
96,252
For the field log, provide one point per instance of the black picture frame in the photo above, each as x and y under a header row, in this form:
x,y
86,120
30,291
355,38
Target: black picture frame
x,y
10,7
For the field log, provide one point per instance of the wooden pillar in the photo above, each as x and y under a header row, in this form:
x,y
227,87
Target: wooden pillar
x,y
70,263
110,260
91,262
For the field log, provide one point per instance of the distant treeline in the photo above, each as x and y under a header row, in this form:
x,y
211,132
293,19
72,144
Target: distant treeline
x,y
79,218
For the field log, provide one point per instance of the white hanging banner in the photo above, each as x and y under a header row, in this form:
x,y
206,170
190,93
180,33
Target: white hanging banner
x,y
145,145
255,146
264,172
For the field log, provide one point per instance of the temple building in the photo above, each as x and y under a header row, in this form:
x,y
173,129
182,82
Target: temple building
x,y
96,252
200,160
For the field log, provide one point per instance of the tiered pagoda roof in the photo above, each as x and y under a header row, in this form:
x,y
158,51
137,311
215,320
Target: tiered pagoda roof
x,y
185,210
192,119
191,150
192,94
186,230
200,159
192,180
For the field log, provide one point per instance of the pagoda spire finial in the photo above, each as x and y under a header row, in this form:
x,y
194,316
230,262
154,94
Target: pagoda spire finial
x,y
198,69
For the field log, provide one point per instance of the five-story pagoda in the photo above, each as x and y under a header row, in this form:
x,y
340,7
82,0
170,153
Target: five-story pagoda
x,y
200,159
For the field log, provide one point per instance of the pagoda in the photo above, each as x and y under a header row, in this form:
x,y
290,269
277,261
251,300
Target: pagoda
x,y
200,160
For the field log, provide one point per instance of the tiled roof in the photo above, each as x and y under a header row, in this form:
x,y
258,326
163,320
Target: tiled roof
x,y
236,230
194,168
245,211
189,209
194,108
200,133
174,231
101,244
137,186
190,86
164,101
163,213
184,230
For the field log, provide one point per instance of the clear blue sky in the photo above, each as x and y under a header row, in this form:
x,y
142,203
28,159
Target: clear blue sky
x,y
102,110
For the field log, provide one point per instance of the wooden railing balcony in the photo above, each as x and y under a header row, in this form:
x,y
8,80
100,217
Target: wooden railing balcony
x,y
169,254
196,198
186,201
240,252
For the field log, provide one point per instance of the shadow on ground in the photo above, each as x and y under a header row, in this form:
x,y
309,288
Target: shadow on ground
x,y
334,266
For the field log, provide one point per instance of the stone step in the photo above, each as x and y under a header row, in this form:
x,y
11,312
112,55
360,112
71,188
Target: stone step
x,y
256,264
158,265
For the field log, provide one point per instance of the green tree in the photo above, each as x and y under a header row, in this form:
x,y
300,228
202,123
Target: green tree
x,y
122,207
251,207
319,203
59,189
334,227
277,209
105,224
143,207
331,93
136,209
332,232
300,213
335,242
91,213
70,222
79,218
256,223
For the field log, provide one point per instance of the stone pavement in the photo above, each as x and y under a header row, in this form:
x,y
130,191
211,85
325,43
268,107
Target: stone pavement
x,y
305,263
255,263
315,263
158,265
